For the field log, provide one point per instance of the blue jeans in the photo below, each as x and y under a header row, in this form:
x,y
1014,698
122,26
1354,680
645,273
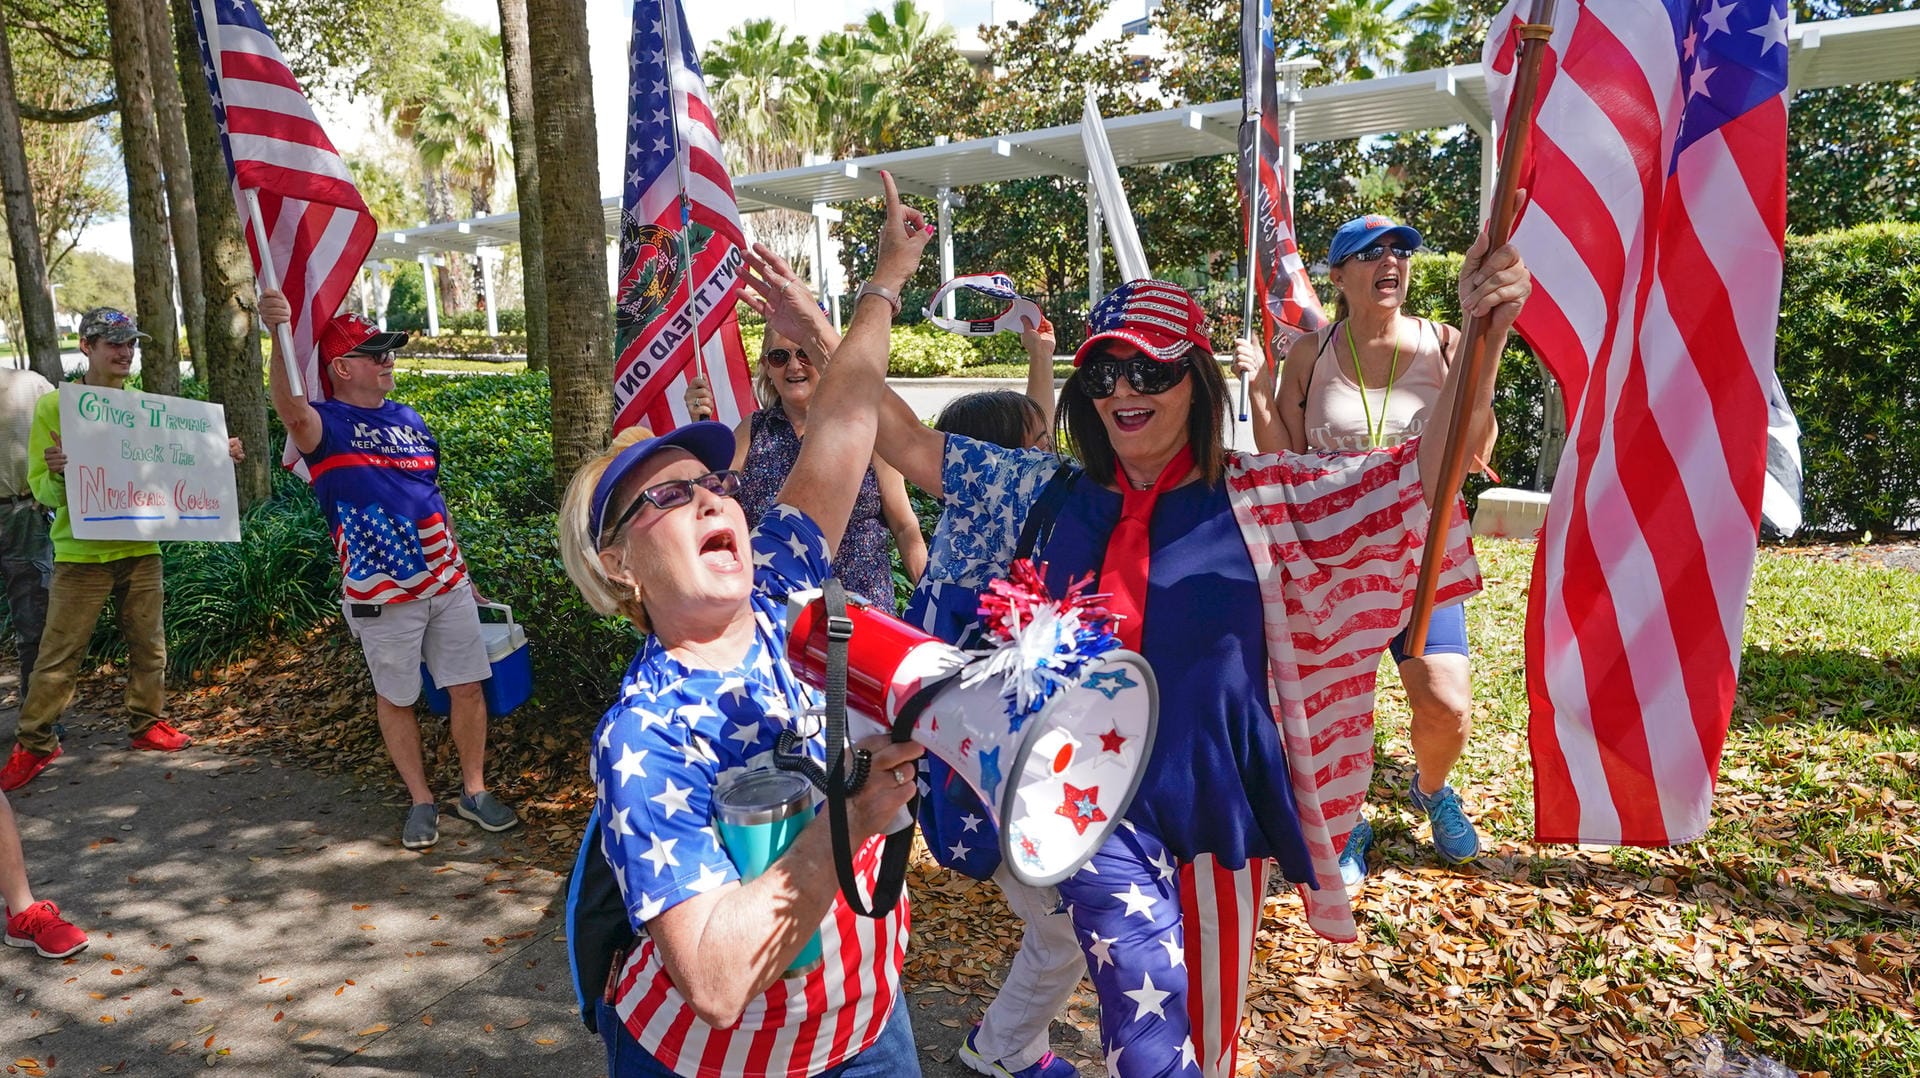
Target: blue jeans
x,y
891,1055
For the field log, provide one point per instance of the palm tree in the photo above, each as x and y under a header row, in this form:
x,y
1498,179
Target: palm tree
x,y
526,174
758,79
449,107
1445,32
36,296
1364,38
842,90
580,323
896,42
146,197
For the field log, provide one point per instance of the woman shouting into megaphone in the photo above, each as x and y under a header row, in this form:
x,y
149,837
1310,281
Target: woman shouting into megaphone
x,y
735,976
1262,589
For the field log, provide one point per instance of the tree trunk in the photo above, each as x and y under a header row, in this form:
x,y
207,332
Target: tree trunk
x,y
182,215
235,376
580,322
23,227
526,175
146,199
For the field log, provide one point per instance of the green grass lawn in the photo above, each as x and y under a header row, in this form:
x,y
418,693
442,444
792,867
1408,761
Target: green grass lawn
x,y
1792,930
1792,927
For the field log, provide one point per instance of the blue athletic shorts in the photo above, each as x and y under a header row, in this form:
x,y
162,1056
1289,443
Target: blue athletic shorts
x,y
1446,634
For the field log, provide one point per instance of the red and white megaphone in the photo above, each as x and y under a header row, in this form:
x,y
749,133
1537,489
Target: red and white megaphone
x,y
1053,728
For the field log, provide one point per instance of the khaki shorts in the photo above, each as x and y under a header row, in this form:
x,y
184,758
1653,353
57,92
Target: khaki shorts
x,y
442,630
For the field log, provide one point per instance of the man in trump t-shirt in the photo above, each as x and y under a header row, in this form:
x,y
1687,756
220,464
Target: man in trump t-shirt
x,y
376,469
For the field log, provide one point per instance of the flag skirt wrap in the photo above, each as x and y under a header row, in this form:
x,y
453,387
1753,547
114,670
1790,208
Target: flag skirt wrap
x,y
1269,599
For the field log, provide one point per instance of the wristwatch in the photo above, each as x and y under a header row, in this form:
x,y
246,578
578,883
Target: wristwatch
x,y
888,294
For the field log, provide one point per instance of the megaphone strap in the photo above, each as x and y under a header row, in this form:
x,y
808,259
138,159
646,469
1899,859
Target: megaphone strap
x,y
843,779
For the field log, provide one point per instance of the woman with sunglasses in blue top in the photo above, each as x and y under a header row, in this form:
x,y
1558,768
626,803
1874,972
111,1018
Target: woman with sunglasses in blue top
x,y
1369,381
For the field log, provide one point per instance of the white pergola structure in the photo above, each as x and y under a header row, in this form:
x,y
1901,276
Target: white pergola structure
x,y
1872,48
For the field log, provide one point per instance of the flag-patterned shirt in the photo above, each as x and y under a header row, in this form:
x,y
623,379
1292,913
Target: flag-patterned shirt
x,y
1335,540
376,472
660,752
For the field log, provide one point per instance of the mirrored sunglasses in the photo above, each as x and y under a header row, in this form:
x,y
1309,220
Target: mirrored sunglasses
x,y
1146,375
675,493
1379,251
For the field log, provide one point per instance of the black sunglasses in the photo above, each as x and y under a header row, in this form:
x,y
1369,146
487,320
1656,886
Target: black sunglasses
x,y
1144,373
675,493
778,357
1379,251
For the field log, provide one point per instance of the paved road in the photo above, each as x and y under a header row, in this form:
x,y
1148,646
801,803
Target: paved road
x,y
247,914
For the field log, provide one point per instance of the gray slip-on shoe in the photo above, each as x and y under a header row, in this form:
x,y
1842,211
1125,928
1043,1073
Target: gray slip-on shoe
x,y
488,811
422,828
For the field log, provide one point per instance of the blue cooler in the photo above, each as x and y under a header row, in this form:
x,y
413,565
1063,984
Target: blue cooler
x,y
512,680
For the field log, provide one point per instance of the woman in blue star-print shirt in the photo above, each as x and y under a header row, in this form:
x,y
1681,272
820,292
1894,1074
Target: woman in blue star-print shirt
x,y
653,530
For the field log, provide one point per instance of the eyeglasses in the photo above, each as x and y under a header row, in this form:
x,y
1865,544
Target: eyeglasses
x,y
675,493
778,357
377,357
1379,251
1145,374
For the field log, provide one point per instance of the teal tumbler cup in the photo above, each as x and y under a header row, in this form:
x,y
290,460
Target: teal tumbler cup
x,y
759,814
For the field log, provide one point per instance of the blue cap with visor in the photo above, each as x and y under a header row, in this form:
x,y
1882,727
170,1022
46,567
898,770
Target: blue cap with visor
x,y
710,443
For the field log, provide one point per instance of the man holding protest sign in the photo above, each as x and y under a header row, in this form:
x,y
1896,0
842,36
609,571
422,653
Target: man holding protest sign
x,y
375,467
86,572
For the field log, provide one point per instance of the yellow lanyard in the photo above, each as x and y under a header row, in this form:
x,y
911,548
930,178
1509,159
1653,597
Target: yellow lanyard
x,y
1375,433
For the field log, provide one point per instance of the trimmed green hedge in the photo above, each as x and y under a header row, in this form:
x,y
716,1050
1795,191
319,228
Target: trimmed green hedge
x,y
1849,357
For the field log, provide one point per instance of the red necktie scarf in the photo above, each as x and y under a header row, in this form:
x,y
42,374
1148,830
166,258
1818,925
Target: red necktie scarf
x,y
1123,571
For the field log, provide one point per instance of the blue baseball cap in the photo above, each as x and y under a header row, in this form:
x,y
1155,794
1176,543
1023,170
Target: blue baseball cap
x,y
710,443
1363,232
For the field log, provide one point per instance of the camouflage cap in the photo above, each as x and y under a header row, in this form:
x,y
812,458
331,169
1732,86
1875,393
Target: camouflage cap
x,y
114,325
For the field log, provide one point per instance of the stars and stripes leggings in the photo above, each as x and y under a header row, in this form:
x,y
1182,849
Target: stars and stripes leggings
x,y
1168,944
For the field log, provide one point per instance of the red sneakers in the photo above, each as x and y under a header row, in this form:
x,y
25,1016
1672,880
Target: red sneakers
x,y
22,766
41,927
161,737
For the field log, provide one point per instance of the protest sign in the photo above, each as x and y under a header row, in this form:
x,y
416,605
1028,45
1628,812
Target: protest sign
x,y
144,466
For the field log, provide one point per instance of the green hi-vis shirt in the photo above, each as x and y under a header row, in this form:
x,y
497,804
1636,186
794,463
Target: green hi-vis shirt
x,y
51,489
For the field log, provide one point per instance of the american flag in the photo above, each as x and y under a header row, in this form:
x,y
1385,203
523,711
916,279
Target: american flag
x,y
1282,293
1655,236
319,229
669,143
388,559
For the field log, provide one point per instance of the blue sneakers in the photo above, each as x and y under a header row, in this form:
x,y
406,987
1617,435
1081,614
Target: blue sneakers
x,y
1353,858
1453,835
1048,1065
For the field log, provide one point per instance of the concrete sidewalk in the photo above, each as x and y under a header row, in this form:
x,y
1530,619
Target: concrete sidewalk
x,y
257,916
250,915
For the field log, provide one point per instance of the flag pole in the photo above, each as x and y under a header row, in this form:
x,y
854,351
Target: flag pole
x,y
670,27
1252,108
270,279
1473,360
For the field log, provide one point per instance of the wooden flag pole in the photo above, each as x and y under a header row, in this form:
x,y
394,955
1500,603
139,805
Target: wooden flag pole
x,y
270,278
1474,353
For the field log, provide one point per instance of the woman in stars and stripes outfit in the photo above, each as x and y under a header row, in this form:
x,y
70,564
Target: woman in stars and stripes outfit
x,y
1261,588
1372,380
653,530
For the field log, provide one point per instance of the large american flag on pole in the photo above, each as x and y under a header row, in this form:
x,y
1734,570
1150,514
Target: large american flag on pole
x,y
319,229
1655,232
1283,296
671,325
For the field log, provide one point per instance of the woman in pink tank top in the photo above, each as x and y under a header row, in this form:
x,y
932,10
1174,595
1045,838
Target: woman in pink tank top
x,y
1368,382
